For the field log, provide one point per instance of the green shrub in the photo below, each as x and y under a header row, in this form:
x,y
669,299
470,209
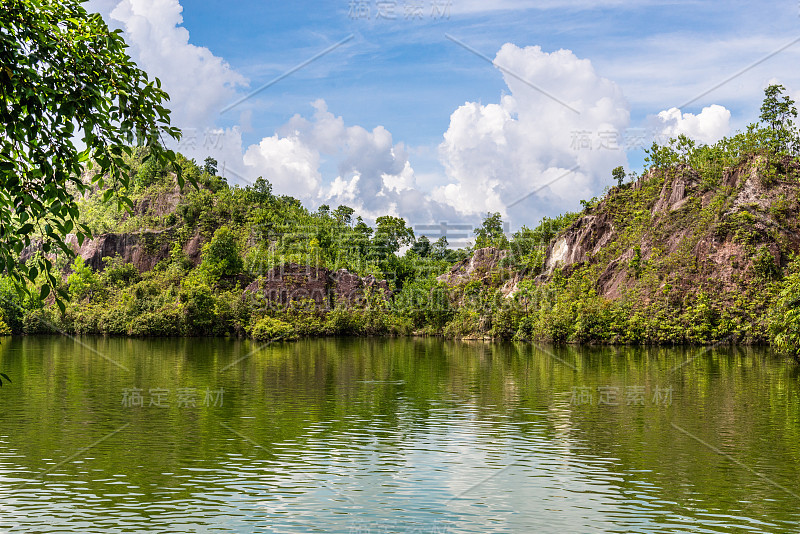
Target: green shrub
x,y
221,255
118,273
425,302
271,329
167,321
764,264
343,321
784,315
11,305
465,323
83,281
113,320
200,307
305,316
39,321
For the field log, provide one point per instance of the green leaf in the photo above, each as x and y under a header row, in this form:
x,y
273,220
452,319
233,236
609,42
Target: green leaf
x,y
44,292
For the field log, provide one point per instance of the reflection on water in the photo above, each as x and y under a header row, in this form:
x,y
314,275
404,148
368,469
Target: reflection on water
x,y
355,435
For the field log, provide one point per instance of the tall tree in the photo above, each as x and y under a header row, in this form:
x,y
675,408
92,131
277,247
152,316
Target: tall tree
x,y
619,175
210,166
71,101
391,233
778,113
490,232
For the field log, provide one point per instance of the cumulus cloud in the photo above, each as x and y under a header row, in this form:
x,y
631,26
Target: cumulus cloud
x,y
374,175
198,82
290,165
708,126
493,154
496,154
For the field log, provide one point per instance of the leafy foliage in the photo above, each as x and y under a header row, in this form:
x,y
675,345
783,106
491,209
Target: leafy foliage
x,y
270,329
216,239
65,77
785,315
778,113
618,174
490,233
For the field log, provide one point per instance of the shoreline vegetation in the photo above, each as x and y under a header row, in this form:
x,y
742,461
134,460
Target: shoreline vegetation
x,y
699,249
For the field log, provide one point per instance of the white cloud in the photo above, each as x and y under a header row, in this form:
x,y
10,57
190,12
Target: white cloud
x,y
198,82
708,126
375,175
289,164
341,191
403,181
495,154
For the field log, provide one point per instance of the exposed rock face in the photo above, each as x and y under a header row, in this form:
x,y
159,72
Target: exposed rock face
x,y
481,264
142,249
160,204
674,194
193,248
511,286
349,288
293,282
718,254
589,234
485,266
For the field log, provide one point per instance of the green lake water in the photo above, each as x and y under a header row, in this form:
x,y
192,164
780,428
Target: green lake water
x,y
406,435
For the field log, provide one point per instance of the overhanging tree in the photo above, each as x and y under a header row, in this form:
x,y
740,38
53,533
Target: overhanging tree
x,y
72,106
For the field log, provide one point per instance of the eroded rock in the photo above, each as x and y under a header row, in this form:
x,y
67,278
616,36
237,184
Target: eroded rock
x,y
294,282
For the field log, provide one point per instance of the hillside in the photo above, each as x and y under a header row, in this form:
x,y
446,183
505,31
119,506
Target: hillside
x,y
676,257
698,249
670,258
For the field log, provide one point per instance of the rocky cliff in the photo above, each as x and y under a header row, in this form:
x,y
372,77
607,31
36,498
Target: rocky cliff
x,y
293,282
142,249
673,230
681,229
485,265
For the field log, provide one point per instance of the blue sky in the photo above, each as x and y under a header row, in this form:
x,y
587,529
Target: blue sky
x,y
407,78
